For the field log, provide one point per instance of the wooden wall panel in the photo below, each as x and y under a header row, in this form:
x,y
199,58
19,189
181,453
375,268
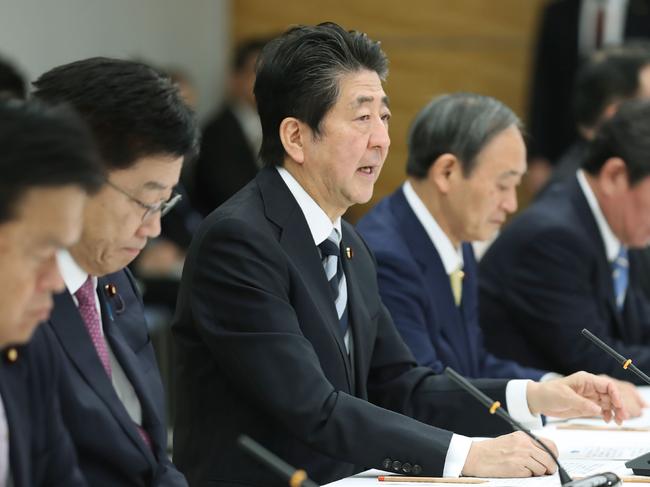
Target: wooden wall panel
x,y
434,47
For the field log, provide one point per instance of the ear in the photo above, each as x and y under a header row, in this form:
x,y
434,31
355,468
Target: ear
x,y
613,177
292,132
444,171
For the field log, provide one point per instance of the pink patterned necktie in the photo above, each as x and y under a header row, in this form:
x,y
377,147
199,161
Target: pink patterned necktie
x,y
88,310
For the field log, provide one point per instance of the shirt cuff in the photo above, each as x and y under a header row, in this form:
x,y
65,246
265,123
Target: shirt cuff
x,y
550,376
517,405
456,455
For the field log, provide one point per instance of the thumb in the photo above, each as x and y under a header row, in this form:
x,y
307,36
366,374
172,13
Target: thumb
x,y
585,407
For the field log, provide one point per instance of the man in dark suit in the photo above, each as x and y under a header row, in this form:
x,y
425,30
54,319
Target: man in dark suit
x,y
231,139
111,392
466,158
570,30
280,330
48,162
604,81
562,265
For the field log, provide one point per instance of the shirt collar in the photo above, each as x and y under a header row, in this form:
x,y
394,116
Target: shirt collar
x,y
319,223
452,258
73,275
612,244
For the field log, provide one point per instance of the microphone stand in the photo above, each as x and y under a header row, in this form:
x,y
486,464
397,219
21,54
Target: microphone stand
x,y
639,465
606,479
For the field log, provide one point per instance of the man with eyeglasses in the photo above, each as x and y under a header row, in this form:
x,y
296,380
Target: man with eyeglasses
x,y
111,392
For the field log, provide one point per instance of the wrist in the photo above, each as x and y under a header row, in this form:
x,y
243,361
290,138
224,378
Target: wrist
x,y
533,391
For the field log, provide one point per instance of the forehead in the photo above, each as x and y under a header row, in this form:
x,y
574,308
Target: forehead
x,y
154,172
360,88
49,216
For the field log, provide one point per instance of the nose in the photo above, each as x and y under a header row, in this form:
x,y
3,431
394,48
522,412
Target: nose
x,y
509,203
150,227
50,279
379,138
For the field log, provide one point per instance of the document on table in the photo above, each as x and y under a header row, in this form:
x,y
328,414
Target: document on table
x,y
595,452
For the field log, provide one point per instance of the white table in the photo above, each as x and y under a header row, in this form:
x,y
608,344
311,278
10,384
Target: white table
x,y
577,450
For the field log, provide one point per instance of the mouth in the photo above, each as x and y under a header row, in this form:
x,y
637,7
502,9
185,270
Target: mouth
x,y
368,170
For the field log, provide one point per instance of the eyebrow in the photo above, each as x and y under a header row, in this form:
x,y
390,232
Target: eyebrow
x,y
154,185
507,174
361,100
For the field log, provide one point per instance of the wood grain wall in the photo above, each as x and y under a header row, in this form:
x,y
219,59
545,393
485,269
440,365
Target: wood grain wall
x,y
434,47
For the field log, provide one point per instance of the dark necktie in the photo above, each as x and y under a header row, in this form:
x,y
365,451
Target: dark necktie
x,y
331,254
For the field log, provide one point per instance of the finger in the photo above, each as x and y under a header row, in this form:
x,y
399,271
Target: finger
x,y
614,395
584,407
541,463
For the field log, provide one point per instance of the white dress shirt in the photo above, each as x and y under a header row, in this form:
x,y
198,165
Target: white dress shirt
x,y
250,123
74,277
611,242
452,258
613,29
4,445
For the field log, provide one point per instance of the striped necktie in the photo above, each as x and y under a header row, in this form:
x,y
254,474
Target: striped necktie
x,y
620,276
331,255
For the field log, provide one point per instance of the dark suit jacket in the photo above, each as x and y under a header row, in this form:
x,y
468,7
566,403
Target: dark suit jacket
x,y
415,288
111,451
225,164
551,119
41,452
546,278
259,352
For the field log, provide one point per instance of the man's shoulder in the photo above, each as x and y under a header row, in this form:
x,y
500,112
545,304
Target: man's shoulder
x,y
34,363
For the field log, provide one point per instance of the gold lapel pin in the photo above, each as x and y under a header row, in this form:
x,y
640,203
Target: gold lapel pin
x,y
12,355
110,289
349,253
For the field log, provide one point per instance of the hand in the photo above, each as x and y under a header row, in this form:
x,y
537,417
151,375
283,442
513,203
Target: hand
x,y
579,394
513,455
633,402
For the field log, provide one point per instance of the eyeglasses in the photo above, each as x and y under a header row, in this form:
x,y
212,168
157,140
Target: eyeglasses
x,y
163,207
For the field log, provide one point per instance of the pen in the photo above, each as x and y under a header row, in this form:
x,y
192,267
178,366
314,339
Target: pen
x,y
630,480
431,480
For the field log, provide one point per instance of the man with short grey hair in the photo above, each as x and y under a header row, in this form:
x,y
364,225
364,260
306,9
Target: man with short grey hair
x,y
466,158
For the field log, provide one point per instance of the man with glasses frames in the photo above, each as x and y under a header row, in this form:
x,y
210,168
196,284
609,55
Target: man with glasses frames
x,y
111,393
162,207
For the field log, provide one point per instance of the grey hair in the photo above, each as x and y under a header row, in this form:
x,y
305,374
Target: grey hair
x,y
460,124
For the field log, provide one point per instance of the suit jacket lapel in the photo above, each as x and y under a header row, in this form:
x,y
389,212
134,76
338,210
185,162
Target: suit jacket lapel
x,y
295,238
75,341
128,362
425,253
19,450
586,219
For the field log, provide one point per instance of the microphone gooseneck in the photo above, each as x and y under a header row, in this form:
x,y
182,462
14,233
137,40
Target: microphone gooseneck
x,y
295,478
494,407
639,465
626,363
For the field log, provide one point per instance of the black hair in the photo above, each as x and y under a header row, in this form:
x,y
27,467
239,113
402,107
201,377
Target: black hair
x,y
245,50
43,146
461,124
298,76
12,83
627,136
133,110
608,76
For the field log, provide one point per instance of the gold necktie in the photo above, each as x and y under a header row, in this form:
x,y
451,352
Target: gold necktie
x,y
456,280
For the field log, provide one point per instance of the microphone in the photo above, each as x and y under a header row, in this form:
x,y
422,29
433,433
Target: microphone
x,y
295,478
606,479
639,465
